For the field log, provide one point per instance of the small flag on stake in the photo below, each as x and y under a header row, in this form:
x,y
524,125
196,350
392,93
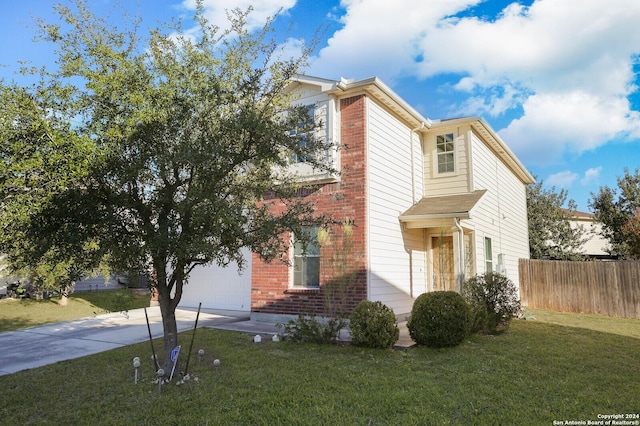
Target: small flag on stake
x,y
174,358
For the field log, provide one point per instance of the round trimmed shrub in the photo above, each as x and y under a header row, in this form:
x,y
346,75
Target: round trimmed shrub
x,y
439,319
373,325
493,300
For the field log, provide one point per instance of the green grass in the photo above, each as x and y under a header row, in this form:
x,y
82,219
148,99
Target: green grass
x,y
622,326
22,313
533,374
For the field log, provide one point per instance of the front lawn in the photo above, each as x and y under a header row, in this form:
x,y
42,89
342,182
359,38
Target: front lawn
x,y
532,375
22,313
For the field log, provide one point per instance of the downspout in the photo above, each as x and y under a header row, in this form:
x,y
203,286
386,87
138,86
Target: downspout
x,y
413,199
413,173
456,221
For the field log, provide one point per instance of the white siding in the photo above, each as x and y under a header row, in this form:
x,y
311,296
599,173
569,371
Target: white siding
x,y
325,112
595,244
450,183
396,259
501,214
219,288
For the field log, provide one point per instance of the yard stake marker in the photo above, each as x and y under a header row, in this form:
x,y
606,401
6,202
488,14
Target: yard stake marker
x,y
153,351
186,368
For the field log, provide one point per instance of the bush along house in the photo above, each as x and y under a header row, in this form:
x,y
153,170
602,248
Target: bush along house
x,y
424,203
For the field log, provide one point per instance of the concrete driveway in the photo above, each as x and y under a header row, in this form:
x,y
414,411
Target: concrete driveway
x,y
37,346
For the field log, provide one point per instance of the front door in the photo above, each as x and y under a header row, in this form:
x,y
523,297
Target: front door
x,y
443,276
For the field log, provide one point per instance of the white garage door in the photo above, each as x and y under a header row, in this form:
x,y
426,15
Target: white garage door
x,y
219,288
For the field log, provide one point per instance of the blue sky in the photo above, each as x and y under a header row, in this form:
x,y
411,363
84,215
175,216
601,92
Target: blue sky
x,y
556,79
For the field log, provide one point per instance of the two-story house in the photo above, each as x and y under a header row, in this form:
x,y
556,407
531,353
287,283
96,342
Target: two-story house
x,y
426,204
595,246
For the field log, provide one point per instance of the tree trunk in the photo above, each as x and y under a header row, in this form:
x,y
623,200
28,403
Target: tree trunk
x,y
170,329
168,307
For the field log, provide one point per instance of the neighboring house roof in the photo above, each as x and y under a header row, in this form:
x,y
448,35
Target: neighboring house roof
x,y
375,88
443,207
581,215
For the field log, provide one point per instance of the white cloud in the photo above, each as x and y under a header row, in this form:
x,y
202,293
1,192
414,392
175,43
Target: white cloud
x,y
216,10
591,176
565,66
381,37
493,101
562,179
554,123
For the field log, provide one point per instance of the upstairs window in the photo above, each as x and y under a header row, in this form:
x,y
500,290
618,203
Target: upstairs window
x,y
445,151
304,135
306,260
312,156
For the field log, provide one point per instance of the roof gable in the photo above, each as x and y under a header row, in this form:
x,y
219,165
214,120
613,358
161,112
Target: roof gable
x,y
375,88
493,141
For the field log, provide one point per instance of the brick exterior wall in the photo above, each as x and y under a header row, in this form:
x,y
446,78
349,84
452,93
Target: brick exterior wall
x,y
271,290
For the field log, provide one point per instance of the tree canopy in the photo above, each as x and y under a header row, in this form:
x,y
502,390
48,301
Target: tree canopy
x,y
619,212
153,155
551,235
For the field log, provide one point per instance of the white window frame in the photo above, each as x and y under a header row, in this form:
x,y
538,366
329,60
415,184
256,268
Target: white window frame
x,y
302,256
447,138
488,255
323,112
311,111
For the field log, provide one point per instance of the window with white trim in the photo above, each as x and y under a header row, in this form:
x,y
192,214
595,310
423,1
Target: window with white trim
x,y
445,149
488,255
306,259
303,135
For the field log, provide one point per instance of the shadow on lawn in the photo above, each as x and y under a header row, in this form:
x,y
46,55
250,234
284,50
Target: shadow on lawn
x,y
629,327
114,300
7,324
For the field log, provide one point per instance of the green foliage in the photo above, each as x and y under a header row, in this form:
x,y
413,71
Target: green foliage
x,y
493,302
618,213
631,231
373,325
154,154
439,319
313,330
114,300
122,302
551,235
40,157
555,366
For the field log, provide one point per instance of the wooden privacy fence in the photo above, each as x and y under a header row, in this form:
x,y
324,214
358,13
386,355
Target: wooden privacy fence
x,y
606,288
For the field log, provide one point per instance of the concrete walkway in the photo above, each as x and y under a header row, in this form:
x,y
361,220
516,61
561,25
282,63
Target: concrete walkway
x,y
47,344
266,329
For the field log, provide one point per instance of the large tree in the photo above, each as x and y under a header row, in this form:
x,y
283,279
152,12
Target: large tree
x,y
618,213
180,139
551,235
39,158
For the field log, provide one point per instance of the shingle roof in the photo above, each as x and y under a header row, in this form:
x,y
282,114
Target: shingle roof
x,y
452,205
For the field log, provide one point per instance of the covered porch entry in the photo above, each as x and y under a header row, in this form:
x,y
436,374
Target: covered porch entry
x,y
448,236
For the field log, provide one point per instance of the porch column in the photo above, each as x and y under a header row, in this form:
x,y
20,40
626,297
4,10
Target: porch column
x,y
458,255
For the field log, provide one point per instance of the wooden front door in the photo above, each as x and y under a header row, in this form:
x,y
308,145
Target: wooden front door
x,y
443,276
